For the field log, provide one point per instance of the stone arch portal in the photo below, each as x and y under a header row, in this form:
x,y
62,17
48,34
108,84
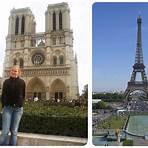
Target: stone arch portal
x,y
36,88
58,90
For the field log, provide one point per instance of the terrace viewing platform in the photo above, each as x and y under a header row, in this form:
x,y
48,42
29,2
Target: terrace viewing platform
x,y
30,139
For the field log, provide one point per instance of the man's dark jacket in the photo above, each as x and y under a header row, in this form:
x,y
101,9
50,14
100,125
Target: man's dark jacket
x,y
13,92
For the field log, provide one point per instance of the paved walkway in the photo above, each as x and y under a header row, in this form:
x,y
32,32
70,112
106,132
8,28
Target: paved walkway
x,y
29,139
140,142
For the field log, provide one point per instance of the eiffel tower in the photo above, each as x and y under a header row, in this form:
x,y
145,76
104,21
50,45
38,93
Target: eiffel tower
x,y
138,67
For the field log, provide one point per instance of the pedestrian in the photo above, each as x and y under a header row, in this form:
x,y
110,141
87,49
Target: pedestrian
x,y
13,96
36,99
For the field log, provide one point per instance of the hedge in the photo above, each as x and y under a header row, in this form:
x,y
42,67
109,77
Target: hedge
x,y
42,118
43,108
65,126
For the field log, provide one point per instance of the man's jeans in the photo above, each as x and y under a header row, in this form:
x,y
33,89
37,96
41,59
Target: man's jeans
x,y
11,117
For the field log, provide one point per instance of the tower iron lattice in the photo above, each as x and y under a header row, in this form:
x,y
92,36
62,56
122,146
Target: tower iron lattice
x,y
138,67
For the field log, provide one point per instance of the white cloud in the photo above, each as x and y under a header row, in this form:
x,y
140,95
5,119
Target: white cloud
x,y
80,24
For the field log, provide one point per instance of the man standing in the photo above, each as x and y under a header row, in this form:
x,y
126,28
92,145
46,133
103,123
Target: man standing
x,y
13,96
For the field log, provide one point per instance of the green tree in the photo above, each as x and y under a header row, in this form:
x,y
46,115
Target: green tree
x,y
101,105
84,97
109,97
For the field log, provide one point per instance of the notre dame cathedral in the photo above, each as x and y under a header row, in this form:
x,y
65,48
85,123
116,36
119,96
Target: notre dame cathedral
x,y
49,66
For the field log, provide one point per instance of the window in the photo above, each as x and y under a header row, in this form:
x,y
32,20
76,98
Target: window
x,y
61,40
38,59
61,58
41,43
60,21
21,63
54,60
23,25
16,25
54,21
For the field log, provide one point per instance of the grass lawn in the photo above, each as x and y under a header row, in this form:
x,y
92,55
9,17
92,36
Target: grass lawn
x,y
113,122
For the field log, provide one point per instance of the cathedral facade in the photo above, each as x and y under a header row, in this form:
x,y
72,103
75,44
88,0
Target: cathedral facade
x,y
47,60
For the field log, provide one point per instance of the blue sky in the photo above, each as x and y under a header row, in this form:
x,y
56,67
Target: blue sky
x,y
114,37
